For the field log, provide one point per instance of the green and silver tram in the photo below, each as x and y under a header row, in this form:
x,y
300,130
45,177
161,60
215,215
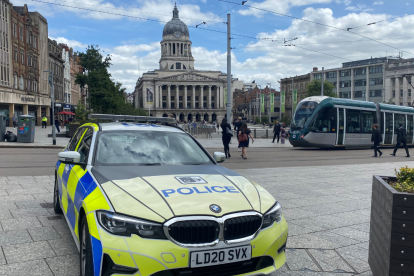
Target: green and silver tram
x,y
325,122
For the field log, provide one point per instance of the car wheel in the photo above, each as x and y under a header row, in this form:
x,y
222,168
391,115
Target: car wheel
x,y
56,200
85,254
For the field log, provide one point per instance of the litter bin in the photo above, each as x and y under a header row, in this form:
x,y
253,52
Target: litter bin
x,y
25,129
3,124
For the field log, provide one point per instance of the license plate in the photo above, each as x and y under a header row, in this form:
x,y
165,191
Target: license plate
x,y
220,256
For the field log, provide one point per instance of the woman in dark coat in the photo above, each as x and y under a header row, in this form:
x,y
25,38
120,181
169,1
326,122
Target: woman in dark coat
x,y
244,145
377,139
226,137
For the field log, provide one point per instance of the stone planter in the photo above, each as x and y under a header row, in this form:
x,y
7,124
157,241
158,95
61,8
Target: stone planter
x,y
72,130
391,238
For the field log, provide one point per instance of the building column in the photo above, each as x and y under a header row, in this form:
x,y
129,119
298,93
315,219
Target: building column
x,y
11,112
169,97
367,90
177,97
209,97
397,91
352,84
156,95
47,110
387,91
412,90
160,97
405,91
217,101
337,83
185,97
193,98
39,115
25,109
201,96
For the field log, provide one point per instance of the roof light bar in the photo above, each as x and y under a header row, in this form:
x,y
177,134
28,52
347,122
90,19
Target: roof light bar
x,y
128,118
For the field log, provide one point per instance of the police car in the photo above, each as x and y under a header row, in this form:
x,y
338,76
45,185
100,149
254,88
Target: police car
x,y
148,199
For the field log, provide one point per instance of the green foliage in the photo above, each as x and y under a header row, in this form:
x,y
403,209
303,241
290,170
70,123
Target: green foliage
x,y
314,89
105,96
81,113
286,119
389,102
405,179
265,119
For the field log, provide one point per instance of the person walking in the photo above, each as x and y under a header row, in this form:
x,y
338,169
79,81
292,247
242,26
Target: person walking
x,y
195,128
276,131
14,118
237,125
283,133
244,136
401,139
44,121
218,128
377,139
61,122
226,136
57,123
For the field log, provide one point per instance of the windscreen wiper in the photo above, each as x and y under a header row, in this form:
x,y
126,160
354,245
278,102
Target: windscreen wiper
x,y
149,164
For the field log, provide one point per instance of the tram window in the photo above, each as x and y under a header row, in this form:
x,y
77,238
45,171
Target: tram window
x,y
398,119
367,120
324,121
353,121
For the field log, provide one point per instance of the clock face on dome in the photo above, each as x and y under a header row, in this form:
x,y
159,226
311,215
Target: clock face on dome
x,y
177,34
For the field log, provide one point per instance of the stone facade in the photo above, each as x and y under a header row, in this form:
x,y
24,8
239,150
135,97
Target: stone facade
x,y
398,81
56,65
75,68
66,74
299,84
176,88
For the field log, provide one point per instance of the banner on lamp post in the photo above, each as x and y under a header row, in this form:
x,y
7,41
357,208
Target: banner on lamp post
x,y
282,101
225,97
272,102
262,100
150,96
295,99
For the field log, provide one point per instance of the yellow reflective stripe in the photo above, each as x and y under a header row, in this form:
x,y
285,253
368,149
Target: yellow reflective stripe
x,y
95,126
93,228
61,169
120,257
64,199
76,222
96,201
72,182
147,266
77,146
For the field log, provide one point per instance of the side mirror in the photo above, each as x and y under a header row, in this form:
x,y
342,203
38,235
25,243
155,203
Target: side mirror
x,y
219,157
69,157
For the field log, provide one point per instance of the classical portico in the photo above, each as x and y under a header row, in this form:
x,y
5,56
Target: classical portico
x,y
176,88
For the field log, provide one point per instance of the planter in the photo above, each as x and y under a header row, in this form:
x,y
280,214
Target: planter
x,y
72,130
391,237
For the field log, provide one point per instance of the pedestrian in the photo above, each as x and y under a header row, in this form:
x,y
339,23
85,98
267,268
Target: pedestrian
x,y
226,136
57,123
44,121
276,131
218,128
61,122
195,128
14,118
377,139
244,136
283,133
237,126
401,139
70,120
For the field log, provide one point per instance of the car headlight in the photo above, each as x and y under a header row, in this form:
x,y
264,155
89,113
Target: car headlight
x,y
274,214
126,226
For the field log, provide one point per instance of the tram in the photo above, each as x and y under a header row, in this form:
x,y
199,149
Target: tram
x,y
325,122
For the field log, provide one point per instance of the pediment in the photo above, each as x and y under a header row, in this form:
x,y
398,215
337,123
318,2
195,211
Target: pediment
x,y
188,77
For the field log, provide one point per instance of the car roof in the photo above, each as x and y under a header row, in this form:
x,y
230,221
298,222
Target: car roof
x,y
138,127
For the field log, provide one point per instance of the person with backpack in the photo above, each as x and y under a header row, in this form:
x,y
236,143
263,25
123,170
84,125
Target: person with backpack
x,y
226,136
377,139
243,137
401,139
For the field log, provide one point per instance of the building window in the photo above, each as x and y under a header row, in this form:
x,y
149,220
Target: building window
x,y
346,95
409,92
188,98
360,83
14,29
35,42
15,81
375,81
172,98
345,73
28,59
35,85
22,57
178,66
21,33
375,69
360,71
401,93
393,93
164,98
331,75
21,83
360,94
375,93
345,83
318,76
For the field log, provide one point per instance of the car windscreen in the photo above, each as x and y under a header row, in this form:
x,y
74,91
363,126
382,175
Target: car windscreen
x,y
147,148
302,114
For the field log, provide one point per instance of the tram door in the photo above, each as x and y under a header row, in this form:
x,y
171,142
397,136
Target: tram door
x,y
389,128
340,134
410,128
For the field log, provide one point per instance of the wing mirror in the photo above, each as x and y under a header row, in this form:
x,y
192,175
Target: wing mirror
x,y
219,157
69,157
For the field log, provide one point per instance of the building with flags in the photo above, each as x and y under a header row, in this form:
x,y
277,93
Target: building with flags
x,y
177,89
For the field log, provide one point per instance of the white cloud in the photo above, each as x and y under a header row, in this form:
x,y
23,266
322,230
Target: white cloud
x,y
359,8
279,6
346,2
378,3
71,43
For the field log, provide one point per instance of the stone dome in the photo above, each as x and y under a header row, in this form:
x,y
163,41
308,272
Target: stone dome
x,y
175,25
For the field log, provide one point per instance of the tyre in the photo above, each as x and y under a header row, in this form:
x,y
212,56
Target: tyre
x,y
85,253
56,200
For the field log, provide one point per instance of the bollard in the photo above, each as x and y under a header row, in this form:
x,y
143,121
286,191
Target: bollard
x,y
254,133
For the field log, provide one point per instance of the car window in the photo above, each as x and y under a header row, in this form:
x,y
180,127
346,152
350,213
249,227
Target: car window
x,y
75,139
148,147
85,145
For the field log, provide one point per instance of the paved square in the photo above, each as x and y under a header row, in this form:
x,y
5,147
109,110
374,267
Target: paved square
x,y
327,208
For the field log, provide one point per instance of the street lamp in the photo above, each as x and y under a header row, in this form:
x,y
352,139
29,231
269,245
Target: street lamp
x,y
260,103
270,101
52,95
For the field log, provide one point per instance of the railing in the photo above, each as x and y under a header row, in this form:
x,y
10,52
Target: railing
x,y
199,129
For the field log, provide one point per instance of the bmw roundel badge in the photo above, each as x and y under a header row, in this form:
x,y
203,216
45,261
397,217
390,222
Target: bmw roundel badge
x,y
215,208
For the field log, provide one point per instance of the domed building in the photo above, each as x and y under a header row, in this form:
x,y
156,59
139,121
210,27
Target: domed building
x,y
176,88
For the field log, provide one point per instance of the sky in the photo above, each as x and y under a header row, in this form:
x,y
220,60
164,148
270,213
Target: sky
x,y
131,30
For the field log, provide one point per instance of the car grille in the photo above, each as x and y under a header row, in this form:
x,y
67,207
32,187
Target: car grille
x,y
241,227
194,231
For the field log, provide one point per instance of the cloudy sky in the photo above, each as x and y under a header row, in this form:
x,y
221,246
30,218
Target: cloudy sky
x,y
130,30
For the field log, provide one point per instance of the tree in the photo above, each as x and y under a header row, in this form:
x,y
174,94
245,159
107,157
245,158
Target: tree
x,y
314,89
390,101
105,96
286,119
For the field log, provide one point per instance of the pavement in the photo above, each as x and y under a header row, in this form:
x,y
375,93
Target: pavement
x,y
327,209
41,140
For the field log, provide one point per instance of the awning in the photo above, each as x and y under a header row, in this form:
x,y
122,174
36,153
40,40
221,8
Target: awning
x,y
66,113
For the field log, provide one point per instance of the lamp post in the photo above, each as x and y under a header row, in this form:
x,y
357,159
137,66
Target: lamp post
x,y
260,103
52,95
270,101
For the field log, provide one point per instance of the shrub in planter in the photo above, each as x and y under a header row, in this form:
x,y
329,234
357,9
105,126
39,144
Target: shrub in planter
x,y
391,241
72,129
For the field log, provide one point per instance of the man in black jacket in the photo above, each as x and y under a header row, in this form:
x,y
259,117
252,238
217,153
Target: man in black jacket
x,y
276,131
377,139
401,138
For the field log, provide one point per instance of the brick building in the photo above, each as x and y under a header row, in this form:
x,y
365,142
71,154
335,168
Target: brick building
x,y
56,65
75,68
299,84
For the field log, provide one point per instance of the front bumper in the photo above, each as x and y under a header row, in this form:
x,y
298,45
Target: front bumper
x,y
164,258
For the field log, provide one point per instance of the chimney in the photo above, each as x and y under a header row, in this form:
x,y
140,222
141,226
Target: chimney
x,y
315,69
